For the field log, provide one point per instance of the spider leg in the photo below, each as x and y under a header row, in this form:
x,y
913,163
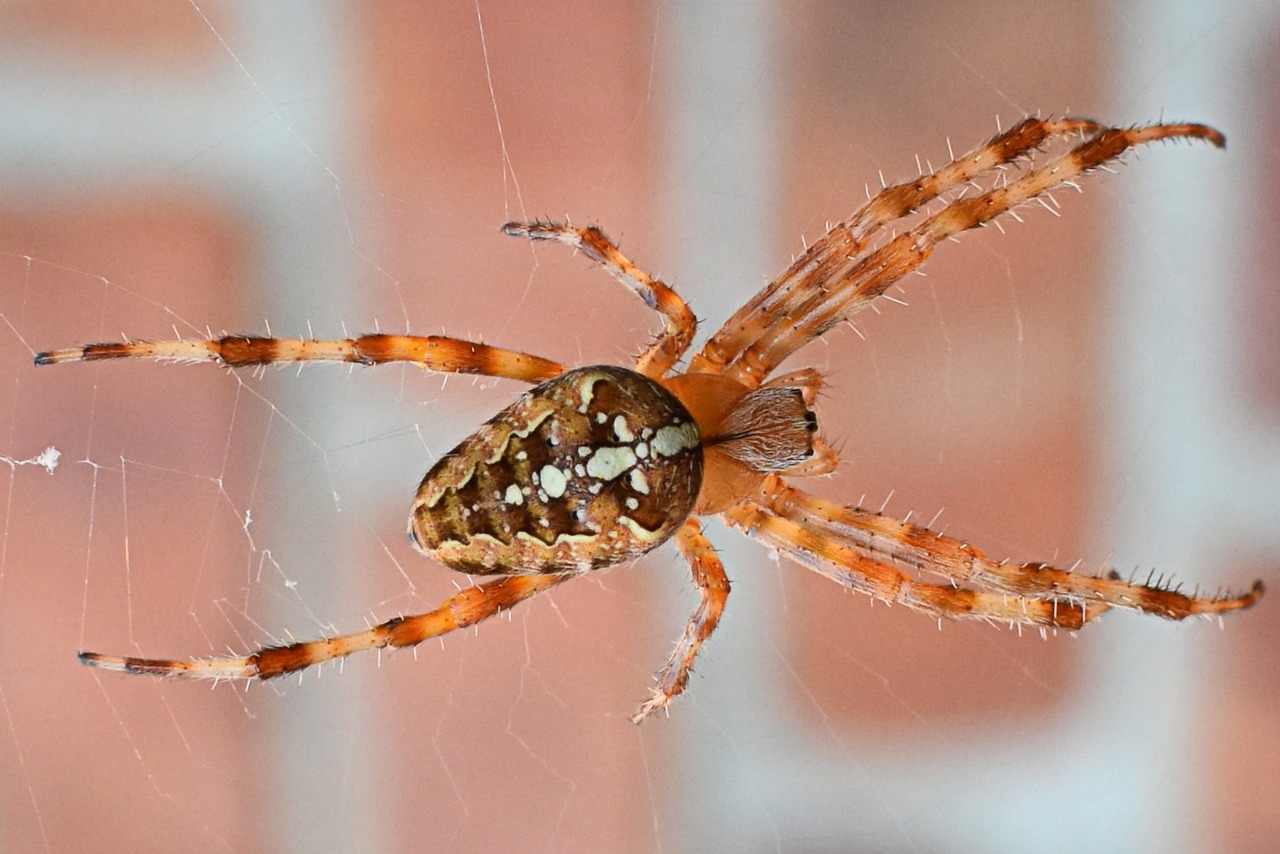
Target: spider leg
x,y
713,588
466,608
433,352
845,240
838,560
841,284
883,540
672,342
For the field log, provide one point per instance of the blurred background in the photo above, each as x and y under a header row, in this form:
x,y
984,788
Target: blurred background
x,y
1104,387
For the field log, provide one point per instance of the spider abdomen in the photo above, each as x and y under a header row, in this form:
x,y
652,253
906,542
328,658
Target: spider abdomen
x,y
589,469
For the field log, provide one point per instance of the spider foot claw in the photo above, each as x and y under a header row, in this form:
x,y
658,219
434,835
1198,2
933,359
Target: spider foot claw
x,y
516,229
538,230
658,699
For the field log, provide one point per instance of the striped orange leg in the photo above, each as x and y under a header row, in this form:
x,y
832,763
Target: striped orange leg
x,y
713,588
880,538
844,283
660,356
838,560
433,352
845,240
463,609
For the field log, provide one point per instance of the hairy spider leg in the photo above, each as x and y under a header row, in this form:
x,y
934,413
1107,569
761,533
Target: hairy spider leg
x,y
821,304
845,240
907,546
713,589
835,559
671,343
465,608
432,352
867,551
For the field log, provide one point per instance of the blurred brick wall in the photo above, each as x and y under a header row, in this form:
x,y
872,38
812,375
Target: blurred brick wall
x,y
430,168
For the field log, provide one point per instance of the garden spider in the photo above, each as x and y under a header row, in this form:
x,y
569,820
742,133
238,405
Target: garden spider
x,y
596,466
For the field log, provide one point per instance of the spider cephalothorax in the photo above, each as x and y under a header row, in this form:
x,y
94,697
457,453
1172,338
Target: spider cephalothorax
x,y
596,466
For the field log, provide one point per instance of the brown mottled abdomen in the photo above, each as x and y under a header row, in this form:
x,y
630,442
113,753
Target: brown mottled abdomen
x,y
589,469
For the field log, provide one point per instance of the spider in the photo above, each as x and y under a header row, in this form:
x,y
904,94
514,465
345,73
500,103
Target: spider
x,y
596,466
